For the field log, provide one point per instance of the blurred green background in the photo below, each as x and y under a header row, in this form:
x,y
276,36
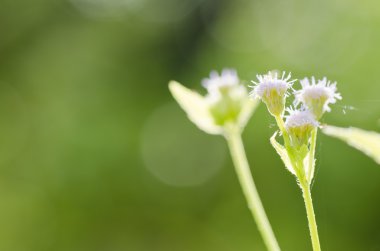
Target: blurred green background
x,y
95,155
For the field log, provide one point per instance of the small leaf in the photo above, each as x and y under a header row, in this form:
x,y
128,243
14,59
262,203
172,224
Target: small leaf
x,y
309,170
366,141
195,106
283,153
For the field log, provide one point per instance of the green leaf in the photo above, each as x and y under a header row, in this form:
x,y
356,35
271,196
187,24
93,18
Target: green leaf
x,y
283,153
195,106
366,141
309,170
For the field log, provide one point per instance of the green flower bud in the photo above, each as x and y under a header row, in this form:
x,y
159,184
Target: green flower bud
x,y
299,125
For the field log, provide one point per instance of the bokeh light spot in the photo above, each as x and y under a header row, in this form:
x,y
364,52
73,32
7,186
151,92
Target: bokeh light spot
x,y
178,153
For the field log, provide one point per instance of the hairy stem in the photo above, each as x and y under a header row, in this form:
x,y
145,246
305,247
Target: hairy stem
x,y
313,143
281,125
310,216
249,189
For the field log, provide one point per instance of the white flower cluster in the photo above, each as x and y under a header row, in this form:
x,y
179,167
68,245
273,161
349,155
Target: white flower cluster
x,y
225,85
312,100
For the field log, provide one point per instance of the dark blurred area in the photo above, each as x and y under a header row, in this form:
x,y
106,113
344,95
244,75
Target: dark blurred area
x,y
95,154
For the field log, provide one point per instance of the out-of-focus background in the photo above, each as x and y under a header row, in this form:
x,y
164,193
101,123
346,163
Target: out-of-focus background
x,y
95,155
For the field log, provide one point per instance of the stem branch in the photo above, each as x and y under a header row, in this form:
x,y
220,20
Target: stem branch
x,y
281,125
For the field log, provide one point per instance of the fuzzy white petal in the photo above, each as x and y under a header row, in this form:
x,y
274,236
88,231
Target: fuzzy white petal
x,y
297,118
271,81
228,77
322,89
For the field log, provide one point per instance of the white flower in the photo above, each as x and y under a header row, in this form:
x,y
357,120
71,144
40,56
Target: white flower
x,y
269,82
226,103
227,78
272,90
299,125
225,84
298,118
317,96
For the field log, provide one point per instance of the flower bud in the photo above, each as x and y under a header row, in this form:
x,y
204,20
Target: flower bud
x,y
317,96
299,124
272,91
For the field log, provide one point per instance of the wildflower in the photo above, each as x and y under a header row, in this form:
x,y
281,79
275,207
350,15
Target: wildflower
x,y
273,91
216,82
225,110
299,125
317,96
299,133
226,96
226,102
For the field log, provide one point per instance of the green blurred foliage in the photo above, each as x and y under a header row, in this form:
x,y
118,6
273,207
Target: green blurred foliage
x,y
85,160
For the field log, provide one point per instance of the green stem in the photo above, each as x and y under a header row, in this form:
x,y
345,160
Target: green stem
x,y
310,216
313,143
281,125
249,189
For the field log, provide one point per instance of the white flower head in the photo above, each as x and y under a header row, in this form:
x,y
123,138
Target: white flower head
x,y
301,117
226,102
317,95
226,96
299,124
273,90
216,82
